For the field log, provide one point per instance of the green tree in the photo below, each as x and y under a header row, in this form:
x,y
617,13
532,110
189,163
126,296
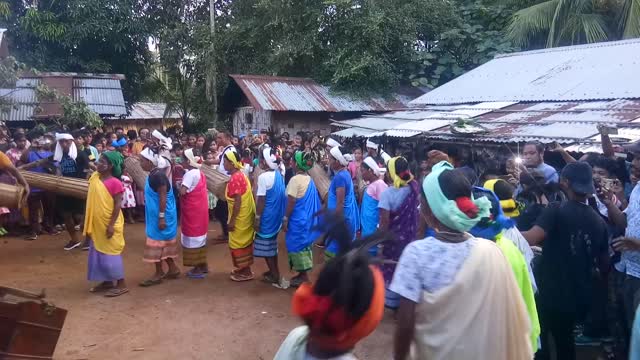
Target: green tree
x,y
566,22
108,36
474,37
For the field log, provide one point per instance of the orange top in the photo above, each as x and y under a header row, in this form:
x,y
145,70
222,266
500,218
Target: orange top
x,y
5,162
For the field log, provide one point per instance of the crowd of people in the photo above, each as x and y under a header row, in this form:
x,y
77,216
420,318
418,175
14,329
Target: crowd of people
x,y
520,261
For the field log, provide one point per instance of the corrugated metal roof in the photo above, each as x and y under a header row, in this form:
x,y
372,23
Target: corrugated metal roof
x,y
355,131
147,110
300,94
102,94
607,70
625,135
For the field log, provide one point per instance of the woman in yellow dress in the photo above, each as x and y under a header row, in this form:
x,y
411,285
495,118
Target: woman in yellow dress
x,y
104,225
242,210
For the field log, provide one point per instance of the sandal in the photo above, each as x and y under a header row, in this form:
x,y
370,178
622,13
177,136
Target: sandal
x,y
150,282
195,275
171,276
101,288
241,278
116,292
296,282
269,278
31,237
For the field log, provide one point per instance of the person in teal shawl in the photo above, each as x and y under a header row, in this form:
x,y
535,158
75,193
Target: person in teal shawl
x,y
303,203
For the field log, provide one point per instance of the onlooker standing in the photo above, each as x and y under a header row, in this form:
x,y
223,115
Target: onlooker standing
x,y
533,157
34,160
574,239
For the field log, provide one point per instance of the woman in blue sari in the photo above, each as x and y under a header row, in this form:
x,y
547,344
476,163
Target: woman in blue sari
x,y
300,221
369,213
270,205
161,218
342,197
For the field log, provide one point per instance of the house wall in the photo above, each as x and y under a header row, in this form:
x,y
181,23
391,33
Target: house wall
x,y
246,119
293,122
137,124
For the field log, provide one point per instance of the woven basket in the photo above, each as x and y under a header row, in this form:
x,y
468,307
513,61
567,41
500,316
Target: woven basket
x,y
77,188
11,196
139,176
216,181
321,180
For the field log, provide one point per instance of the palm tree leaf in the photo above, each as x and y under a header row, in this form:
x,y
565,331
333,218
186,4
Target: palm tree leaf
x,y
630,19
531,22
594,27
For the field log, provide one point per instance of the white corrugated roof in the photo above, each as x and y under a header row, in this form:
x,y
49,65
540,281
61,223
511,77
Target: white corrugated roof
x,y
607,70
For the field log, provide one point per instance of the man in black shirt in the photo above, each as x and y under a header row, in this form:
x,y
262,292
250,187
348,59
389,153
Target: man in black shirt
x,y
574,242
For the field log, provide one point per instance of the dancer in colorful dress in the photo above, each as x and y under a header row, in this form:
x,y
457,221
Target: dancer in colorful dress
x,y
303,203
399,215
194,217
369,212
270,205
242,210
104,225
161,219
342,197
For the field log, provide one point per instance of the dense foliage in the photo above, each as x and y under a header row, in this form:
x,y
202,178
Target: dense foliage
x,y
356,46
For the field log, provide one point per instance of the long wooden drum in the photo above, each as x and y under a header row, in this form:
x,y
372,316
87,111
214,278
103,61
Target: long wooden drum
x,y
29,326
77,188
11,196
216,181
139,176
321,180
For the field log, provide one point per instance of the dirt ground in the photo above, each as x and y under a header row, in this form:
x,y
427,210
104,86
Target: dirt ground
x,y
213,318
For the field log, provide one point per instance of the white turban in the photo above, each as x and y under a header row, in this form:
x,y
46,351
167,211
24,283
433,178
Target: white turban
x,y
337,154
73,150
385,157
372,145
158,161
332,143
270,158
165,143
373,165
194,161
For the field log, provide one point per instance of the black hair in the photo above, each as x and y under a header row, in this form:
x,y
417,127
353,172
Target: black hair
x,y
226,134
118,128
537,144
402,169
19,136
132,134
591,158
605,163
347,278
469,173
177,146
503,190
454,184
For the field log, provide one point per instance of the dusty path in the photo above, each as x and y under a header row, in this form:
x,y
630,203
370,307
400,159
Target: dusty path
x,y
180,319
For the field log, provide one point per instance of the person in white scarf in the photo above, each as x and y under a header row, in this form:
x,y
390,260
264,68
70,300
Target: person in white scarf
x,y
157,160
65,144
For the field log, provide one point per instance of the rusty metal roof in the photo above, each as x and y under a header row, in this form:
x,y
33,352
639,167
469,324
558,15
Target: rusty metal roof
x,y
564,122
102,94
300,94
600,71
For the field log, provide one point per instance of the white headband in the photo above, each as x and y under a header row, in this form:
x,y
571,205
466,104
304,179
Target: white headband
x,y
385,157
373,165
337,154
73,150
269,158
194,161
332,143
158,161
372,145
